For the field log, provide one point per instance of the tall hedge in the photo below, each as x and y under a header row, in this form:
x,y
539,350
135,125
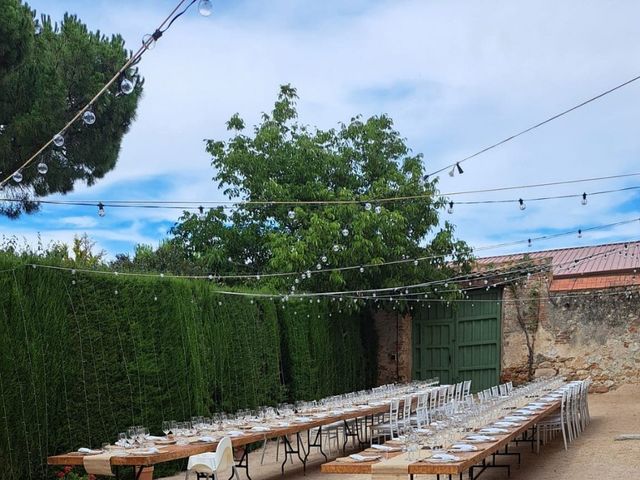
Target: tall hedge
x,y
83,356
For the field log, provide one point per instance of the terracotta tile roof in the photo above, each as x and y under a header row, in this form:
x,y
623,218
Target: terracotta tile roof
x,y
583,268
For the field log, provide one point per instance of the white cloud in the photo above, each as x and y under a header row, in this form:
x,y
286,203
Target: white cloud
x,y
475,73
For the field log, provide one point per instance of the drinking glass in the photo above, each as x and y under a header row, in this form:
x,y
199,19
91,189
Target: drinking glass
x,y
166,427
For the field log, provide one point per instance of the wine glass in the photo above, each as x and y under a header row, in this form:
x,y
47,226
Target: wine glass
x,y
166,427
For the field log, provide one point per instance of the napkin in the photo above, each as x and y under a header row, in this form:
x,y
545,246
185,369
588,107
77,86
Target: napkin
x,y
494,430
506,424
88,451
206,439
481,438
386,448
363,458
443,457
258,428
463,447
235,433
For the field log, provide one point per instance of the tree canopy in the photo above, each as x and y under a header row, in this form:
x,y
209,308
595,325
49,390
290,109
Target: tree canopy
x,y
284,160
48,71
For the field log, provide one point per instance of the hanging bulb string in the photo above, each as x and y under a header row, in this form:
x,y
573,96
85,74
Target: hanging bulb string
x,y
258,276
187,204
537,125
308,295
133,59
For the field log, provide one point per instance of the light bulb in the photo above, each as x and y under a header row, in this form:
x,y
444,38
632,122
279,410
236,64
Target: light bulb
x,y
584,199
58,140
345,232
205,7
415,262
528,242
367,207
101,211
89,117
522,205
579,233
318,267
450,209
17,177
149,41
361,269
324,259
42,168
291,214
126,86
378,209
37,28
336,248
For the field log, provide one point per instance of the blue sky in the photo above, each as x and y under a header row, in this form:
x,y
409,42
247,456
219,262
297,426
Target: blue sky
x,y
455,76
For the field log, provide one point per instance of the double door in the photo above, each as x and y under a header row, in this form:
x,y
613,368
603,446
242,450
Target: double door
x,y
459,342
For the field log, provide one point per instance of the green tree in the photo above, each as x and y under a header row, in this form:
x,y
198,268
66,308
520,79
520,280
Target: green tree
x,y
285,160
48,71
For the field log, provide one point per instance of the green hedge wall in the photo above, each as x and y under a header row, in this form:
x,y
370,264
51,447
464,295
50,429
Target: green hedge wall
x,y
83,356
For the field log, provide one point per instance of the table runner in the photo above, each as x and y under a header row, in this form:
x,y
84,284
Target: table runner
x,y
98,464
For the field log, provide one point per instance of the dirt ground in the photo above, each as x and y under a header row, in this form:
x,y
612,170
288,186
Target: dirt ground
x,y
593,455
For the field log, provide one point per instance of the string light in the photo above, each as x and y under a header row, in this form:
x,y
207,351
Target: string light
x,y
205,7
88,117
522,204
58,140
450,209
126,86
345,232
579,233
42,168
17,177
537,125
101,211
584,199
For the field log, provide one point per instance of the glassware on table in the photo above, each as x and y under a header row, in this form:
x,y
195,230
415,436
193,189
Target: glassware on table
x,y
166,427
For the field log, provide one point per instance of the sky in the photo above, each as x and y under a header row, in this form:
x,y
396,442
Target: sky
x,y
455,77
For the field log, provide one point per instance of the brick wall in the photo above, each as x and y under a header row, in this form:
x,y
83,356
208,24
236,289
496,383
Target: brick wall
x,y
394,346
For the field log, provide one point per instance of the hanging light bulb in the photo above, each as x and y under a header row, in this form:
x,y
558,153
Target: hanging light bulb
x,y
529,242
201,211
336,248
101,211
126,86
324,259
378,209
345,232
42,168
17,177
452,172
584,199
450,209
367,207
415,262
579,233
522,205
37,28
205,7
88,117
291,214
361,269
58,140
459,168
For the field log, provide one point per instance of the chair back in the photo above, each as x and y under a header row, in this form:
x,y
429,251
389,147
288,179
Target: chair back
x,y
224,455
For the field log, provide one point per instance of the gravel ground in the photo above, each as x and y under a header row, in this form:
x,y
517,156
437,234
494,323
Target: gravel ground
x,y
594,455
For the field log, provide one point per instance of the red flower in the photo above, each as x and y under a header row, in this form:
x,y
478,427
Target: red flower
x,y
67,469
60,474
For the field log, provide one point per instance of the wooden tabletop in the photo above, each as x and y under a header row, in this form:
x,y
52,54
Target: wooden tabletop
x,y
468,459
176,452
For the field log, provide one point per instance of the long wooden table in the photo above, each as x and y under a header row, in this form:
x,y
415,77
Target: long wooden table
x,y
403,467
177,452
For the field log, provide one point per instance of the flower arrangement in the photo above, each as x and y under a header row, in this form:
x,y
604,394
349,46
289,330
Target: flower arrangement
x,y
68,474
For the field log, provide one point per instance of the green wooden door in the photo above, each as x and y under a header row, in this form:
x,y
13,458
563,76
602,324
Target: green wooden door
x,y
461,342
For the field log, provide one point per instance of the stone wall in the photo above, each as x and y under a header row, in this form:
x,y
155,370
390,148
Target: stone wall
x,y
394,346
594,334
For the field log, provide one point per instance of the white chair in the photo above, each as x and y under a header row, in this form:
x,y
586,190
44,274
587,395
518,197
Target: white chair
x,y
388,429
466,390
208,465
554,423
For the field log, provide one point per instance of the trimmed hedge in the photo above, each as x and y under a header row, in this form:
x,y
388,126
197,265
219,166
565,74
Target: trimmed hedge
x,y
83,356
